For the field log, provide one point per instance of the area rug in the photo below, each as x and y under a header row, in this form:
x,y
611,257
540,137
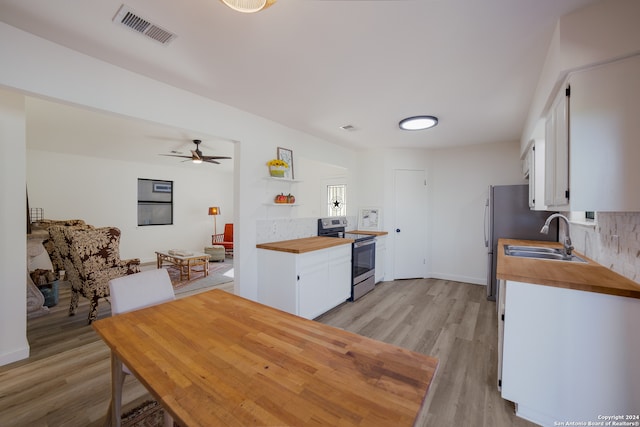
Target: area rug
x,y
148,414
215,277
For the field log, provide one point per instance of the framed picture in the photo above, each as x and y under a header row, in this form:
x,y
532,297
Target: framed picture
x,y
287,155
370,219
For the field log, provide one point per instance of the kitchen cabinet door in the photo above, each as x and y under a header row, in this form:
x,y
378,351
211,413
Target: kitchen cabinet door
x,y
605,137
381,257
557,152
313,279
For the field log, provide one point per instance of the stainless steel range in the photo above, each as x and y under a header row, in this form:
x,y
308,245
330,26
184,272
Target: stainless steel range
x,y
363,254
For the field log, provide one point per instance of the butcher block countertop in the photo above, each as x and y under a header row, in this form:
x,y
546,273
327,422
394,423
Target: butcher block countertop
x,y
590,276
369,233
306,244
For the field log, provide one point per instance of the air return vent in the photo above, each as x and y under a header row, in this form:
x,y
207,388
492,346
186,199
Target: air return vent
x,y
135,22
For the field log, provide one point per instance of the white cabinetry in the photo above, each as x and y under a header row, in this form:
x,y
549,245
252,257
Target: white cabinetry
x,y
592,149
306,284
556,184
381,257
568,354
535,172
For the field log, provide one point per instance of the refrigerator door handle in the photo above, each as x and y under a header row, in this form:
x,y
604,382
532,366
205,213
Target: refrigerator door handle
x,y
486,224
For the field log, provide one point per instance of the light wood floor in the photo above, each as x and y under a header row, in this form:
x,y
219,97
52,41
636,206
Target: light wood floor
x,y
66,380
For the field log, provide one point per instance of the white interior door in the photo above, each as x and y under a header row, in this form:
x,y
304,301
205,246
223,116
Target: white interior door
x,y
410,230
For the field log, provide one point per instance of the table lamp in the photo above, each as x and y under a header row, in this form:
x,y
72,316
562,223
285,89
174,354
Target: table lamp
x,y
214,210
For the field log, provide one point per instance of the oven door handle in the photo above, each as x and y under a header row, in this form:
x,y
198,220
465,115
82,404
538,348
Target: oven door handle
x,y
365,243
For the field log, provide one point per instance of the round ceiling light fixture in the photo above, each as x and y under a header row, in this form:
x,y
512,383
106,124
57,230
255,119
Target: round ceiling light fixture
x,y
418,122
248,6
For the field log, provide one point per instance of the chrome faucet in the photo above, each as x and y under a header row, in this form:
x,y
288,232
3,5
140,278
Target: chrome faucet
x,y
568,247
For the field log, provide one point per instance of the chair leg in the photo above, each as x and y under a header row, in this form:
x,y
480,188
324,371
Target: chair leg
x,y
75,299
93,309
168,420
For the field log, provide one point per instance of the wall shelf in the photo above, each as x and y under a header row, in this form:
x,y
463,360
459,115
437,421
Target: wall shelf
x,y
284,180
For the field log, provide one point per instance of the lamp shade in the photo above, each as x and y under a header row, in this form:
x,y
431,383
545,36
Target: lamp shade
x,y
214,210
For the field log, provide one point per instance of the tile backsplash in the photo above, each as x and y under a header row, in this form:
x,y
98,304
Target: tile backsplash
x,y
613,242
274,230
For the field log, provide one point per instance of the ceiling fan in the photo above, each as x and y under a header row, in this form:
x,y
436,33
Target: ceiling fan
x,y
197,156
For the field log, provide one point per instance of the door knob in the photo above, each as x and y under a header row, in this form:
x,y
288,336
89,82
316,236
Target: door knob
x,y
397,230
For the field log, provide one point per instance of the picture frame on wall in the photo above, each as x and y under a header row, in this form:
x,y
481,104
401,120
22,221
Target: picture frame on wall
x,y
370,219
287,155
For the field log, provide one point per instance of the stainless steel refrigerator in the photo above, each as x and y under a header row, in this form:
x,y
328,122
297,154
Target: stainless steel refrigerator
x,y
507,215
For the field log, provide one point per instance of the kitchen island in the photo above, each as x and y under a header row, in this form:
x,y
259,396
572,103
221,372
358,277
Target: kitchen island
x,y
305,277
568,338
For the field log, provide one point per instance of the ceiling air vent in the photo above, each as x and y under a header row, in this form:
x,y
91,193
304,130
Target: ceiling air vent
x,y
133,21
348,128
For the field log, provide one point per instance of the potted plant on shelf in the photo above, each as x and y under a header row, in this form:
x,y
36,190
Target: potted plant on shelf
x,y
277,167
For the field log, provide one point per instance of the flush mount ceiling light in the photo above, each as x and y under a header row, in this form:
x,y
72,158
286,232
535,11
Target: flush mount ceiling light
x,y
248,6
418,122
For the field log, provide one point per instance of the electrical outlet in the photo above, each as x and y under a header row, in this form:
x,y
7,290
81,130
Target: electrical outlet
x,y
274,228
615,242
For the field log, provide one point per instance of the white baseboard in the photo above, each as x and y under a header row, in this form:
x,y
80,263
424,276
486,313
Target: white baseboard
x,y
457,278
14,356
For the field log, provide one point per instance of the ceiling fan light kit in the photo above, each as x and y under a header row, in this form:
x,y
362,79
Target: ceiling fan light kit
x,y
248,6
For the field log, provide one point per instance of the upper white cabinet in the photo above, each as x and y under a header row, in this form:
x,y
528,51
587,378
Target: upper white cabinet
x,y
535,174
593,140
556,183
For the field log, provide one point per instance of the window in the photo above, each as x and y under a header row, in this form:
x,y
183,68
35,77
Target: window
x,y
337,200
155,202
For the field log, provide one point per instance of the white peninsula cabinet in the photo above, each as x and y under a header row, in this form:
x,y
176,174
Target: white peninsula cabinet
x,y
305,284
569,355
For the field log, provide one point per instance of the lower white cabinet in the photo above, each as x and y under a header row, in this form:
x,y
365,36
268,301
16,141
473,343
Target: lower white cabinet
x,y
306,284
570,355
381,255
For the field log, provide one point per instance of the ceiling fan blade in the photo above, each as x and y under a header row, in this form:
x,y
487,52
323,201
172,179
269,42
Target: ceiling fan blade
x,y
214,157
211,161
176,155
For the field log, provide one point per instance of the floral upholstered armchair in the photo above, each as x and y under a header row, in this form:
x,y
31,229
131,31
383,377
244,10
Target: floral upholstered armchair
x,y
53,250
91,258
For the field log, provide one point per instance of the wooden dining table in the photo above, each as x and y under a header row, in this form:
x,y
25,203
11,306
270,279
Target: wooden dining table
x,y
217,359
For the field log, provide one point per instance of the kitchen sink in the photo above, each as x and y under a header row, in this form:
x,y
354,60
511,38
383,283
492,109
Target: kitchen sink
x,y
540,253
533,249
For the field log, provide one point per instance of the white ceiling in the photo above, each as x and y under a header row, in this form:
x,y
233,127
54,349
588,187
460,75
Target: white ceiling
x,y
315,65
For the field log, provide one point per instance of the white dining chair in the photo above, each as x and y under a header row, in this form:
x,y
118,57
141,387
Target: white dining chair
x,y
133,292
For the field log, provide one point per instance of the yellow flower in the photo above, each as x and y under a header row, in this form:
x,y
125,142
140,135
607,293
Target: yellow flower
x,y
277,162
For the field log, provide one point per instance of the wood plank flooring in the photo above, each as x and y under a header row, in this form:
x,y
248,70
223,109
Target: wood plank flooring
x,y
65,382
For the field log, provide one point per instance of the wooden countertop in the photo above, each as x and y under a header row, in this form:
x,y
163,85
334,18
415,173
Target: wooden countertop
x,y
590,276
306,244
218,359
369,233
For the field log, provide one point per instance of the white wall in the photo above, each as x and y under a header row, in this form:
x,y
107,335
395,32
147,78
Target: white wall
x,y
460,180
13,245
105,192
41,68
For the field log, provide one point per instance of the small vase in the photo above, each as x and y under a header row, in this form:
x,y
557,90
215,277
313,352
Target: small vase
x,y
277,171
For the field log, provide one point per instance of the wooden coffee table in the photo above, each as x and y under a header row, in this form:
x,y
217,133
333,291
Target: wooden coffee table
x,y
184,263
